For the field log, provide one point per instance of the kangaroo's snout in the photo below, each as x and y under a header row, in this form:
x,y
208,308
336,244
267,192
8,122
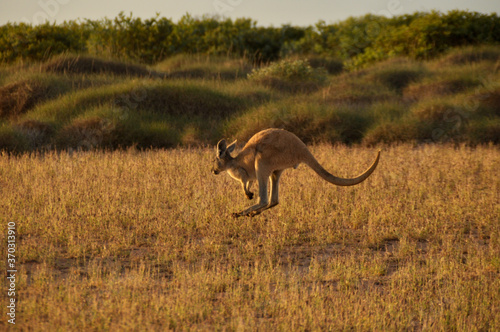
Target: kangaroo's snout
x,y
216,172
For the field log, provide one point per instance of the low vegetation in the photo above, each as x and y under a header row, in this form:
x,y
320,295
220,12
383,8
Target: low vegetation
x,y
129,240
357,41
290,75
81,102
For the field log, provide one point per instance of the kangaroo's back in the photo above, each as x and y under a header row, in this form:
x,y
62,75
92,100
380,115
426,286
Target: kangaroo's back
x,y
282,149
279,148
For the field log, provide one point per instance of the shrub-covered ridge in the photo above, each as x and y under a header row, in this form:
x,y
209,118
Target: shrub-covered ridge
x,y
110,104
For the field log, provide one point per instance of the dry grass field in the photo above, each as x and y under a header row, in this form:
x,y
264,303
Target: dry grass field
x,y
133,241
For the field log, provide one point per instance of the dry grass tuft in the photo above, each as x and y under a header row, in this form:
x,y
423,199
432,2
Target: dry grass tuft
x,y
437,89
184,66
67,64
469,55
290,75
19,97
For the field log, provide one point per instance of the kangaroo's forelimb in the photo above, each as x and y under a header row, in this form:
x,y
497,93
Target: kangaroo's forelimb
x,y
264,202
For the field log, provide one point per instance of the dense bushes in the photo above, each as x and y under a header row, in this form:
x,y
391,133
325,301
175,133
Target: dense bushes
x,y
27,42
356,40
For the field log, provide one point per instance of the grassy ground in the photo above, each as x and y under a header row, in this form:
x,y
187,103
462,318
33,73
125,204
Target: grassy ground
x,y
78,102
144,241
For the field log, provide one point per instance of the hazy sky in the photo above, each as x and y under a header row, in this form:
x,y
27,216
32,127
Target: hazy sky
x,y
265,12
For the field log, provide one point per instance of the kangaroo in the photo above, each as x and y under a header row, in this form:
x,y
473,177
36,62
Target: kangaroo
x,y
265,156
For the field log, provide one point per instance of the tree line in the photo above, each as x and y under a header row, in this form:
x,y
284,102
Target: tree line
x,y
356,40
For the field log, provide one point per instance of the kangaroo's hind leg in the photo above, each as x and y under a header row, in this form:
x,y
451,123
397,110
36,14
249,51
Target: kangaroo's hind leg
x,y
263,174
275,181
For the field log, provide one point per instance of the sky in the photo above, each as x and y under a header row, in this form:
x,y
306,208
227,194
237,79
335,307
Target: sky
x,y
264,12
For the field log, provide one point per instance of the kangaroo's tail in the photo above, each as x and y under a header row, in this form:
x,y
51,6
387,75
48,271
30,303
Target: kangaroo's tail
x,y
313,163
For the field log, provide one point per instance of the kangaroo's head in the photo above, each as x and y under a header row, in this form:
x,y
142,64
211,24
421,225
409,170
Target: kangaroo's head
x,y
222,156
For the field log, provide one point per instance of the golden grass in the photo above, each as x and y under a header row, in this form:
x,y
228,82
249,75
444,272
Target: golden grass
x,y
131,240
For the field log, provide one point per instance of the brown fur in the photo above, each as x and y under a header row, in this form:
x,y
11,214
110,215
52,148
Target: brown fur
x,y
266,155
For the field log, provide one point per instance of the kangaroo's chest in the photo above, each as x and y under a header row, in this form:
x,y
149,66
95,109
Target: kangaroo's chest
x,y
241,174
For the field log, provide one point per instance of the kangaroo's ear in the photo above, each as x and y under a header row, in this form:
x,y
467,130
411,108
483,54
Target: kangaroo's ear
x,y
221,148
230,147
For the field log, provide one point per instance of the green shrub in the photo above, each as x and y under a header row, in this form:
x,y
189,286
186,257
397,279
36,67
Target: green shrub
x,y
39,42
294,75
427,35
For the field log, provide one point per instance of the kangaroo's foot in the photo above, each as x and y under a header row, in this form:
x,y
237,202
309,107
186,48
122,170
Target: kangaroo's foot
x,y
259,211
249,195
249,212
